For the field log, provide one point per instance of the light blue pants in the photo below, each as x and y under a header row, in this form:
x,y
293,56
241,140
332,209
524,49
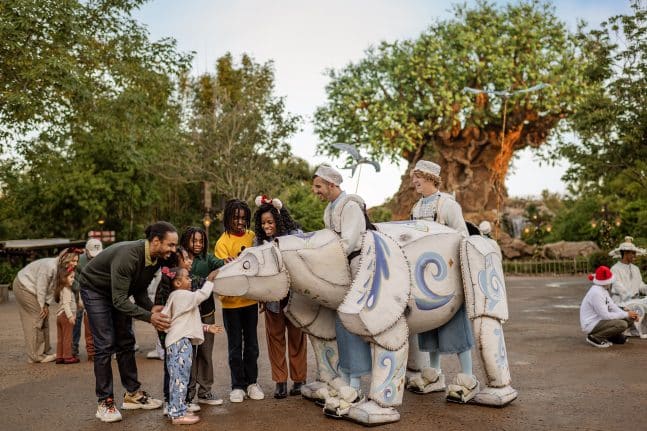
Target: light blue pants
x,y
354,353
179,358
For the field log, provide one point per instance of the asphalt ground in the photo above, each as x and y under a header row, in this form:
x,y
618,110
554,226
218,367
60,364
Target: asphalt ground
x,y
563,382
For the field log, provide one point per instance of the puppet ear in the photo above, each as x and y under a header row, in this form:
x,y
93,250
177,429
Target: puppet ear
x,y
258,201
277,204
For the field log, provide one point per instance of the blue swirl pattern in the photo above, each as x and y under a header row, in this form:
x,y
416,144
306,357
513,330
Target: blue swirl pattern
x,y
432,300
490,283
388,387
501,356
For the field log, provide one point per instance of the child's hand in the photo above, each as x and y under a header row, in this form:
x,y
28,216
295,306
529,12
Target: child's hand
x,y
214,329
212,275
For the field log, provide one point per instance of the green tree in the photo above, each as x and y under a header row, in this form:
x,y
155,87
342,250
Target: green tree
x,y
609,160
406,99
238,132
87,105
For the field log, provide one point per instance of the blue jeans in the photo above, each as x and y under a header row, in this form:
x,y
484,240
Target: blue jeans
x,y
76,332
112,332
240,326
180,358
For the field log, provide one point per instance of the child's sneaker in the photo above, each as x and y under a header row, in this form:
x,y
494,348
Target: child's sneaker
x,y
140,400
255,392
210,399
193,407
185,420
237,396
107,412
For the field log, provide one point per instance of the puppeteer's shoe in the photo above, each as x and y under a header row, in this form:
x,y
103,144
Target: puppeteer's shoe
x,y
464,388
107,412
429,380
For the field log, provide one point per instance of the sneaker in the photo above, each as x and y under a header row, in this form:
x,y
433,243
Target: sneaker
x,y
602,344
153,354
107,412
140,400
210,399
255,392
193,407
237,396
185,420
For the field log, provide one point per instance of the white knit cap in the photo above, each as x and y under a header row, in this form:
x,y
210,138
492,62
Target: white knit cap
x,y
329,174
485,227
428,167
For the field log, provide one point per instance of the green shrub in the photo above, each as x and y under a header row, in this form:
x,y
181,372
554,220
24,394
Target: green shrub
x,y
600,258
7,272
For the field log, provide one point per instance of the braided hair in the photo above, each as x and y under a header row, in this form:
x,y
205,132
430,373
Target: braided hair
x,y
282,218
231,207
188,236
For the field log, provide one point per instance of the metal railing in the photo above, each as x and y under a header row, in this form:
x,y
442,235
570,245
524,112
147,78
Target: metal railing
x,y
564,266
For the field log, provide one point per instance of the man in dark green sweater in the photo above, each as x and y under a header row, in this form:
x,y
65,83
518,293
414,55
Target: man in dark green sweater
x,y
123,270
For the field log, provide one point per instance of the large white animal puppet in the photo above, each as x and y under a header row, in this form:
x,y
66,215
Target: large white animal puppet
x,y
413,277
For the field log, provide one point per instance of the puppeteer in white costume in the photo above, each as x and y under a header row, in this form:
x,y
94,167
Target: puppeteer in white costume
x,y
378,286
456,335
628,290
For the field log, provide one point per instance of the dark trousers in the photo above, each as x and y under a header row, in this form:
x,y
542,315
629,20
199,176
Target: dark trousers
x,y
606,329
165,388
112,332
202,369
240,326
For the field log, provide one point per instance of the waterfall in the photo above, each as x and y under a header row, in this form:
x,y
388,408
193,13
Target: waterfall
x,y
518,222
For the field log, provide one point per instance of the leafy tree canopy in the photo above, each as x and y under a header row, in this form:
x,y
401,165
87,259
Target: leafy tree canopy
x,y
406,98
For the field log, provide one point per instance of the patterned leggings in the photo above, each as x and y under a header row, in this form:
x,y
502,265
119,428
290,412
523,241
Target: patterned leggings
x,y
180,356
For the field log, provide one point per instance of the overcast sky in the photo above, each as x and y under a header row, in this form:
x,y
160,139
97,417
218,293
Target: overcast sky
x,y
304,38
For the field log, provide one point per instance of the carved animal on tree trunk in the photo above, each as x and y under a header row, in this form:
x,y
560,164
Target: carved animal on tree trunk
x,y
413,276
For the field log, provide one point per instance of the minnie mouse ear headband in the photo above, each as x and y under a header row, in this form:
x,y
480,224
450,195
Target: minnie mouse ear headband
x,y
603,276
260,200
167,272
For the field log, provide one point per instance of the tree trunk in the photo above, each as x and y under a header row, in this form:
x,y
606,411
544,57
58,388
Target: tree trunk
x,y
467,160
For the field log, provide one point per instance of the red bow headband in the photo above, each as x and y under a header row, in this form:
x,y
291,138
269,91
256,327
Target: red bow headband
x,y
260,200
167,272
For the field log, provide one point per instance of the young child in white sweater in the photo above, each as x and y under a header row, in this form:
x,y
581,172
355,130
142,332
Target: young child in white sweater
x,y
66,315
186,330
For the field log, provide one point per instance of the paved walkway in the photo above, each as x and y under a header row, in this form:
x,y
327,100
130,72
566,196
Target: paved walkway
x,y
563,382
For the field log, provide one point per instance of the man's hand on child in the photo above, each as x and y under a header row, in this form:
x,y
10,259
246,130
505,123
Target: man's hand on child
x,y
72,320
160,321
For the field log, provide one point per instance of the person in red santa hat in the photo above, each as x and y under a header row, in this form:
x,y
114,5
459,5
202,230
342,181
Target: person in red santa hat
x,y
600,318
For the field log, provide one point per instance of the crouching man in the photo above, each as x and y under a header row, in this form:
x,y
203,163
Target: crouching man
x,y
600,318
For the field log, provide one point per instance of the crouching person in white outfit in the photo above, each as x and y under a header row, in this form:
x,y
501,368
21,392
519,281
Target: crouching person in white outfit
x,y
185,331
600,318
